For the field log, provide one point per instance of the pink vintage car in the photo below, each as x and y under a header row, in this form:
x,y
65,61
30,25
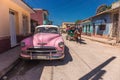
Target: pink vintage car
x,y
46,43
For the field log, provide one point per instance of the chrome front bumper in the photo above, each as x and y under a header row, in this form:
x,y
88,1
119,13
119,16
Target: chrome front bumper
x,y
42,54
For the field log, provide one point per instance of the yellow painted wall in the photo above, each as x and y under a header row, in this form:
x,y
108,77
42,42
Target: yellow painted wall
x,y
68,23
4,22
63,25
5,6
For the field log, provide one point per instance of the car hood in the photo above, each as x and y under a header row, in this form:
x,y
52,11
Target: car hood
x,y
45,39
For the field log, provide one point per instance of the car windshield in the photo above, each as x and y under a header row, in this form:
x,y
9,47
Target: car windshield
x,y
47,30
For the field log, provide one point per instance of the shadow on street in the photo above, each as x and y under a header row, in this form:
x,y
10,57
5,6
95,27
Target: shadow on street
x,y
32,70
81,41
97,73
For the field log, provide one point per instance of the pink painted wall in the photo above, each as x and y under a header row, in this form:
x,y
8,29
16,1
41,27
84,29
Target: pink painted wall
x,y
38,16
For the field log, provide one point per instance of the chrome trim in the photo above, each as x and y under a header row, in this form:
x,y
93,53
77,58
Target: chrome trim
x,y
45,51
41,51
53,58
30,55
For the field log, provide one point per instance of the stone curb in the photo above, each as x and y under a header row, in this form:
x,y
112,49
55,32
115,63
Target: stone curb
x,y
100,41
11,66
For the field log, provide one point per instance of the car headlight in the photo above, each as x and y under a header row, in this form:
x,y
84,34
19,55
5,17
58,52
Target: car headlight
x,y
22,44
61,44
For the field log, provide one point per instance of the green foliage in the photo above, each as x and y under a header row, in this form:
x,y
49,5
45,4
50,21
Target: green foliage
x,y
102,8
77,21
109,7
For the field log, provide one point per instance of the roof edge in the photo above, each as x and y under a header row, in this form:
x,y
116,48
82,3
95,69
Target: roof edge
x,y
28,5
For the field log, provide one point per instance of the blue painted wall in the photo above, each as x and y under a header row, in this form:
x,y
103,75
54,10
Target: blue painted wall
x,y
102,19
89,27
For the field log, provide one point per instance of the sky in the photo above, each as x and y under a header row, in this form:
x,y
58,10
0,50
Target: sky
x,y
68,10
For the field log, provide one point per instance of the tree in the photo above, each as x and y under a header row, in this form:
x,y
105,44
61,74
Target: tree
x,y
102,8
109,7
77,21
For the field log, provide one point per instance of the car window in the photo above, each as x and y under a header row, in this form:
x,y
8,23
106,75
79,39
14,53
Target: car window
x,y
47,30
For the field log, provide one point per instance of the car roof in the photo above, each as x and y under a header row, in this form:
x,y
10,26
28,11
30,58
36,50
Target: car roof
x,y
47,26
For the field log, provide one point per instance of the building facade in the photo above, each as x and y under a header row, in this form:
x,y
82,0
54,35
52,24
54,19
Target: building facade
x,y
102,24
67,24
14,22
41,16
116,21
87,27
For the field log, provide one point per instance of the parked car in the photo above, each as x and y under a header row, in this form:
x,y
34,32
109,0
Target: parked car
x,y
46,43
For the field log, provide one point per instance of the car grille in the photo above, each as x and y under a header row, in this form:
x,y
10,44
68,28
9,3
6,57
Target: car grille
x,y
42,50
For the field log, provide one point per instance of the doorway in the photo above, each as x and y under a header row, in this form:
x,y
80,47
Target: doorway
x,y
25,25
12,19
115,24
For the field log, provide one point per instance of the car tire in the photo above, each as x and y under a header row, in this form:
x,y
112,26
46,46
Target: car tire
x,y
61,60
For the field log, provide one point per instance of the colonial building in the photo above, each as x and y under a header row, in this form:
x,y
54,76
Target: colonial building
x,y
87,27
41,16
14,22
102,24
115,16
105,23
67,24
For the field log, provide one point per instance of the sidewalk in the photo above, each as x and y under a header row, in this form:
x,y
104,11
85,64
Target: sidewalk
x,y
8,59
102,40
